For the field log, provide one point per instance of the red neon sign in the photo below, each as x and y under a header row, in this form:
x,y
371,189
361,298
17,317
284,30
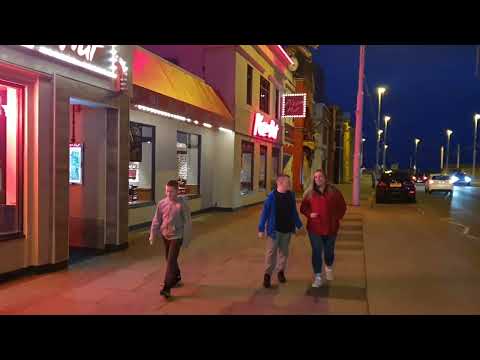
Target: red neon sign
x,y
265,128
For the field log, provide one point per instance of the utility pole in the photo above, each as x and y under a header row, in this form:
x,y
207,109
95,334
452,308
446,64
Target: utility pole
x,y
441,157
449,134
475,121
358,130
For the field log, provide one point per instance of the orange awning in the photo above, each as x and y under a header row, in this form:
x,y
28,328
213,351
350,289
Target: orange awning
x,y
153,73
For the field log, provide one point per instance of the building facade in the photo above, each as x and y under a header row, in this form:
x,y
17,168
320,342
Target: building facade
x,y
64,114
181,130
251,80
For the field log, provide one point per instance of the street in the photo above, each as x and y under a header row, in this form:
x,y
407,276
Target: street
x,y
419,258
424,258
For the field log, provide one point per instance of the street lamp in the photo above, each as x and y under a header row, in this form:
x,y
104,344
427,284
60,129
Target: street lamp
x,y
387,119
417,141
449,134
475,119
385,147
380,92
377,148
361,152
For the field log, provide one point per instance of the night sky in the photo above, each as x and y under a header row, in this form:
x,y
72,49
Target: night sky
x,y
430,88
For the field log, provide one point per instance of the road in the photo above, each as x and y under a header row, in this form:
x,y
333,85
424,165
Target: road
x,y
424,258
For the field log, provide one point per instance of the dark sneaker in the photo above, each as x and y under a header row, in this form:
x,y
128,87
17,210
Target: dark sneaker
x,y
266,281
281,277
178,284
166,294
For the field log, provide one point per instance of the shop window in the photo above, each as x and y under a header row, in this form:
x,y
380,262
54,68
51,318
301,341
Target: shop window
x,y
275,165
246,172
277,100
249,84
262,181
188,163
11,125
141,167
264,95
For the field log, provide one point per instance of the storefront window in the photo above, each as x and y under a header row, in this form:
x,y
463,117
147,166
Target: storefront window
x,y
246,172
264,95
141,166
275,165
249,84
262,183
11,122
188,163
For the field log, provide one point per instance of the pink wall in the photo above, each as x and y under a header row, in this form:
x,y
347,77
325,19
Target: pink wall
x,y
213,63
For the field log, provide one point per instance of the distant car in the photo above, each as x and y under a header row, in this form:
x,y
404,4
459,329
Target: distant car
x,y
419,178
395,185
440,183
460,178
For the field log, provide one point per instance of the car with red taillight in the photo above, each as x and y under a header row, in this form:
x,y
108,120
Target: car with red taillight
x,y
395,186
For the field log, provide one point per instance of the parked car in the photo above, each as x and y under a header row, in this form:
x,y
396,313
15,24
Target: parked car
x,y
395,185
439,182
461,178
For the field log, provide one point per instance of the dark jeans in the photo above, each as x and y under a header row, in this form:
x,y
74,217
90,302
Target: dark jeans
x,y
172,273
322,245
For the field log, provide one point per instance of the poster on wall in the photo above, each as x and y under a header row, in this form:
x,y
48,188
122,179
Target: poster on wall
x,y
76,164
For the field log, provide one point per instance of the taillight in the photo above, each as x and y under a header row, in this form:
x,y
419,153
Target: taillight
x,y
425,178
382,184
414,177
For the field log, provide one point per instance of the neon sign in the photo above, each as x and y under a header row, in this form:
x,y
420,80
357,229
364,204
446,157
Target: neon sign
x,y
294,105
264,128
101,59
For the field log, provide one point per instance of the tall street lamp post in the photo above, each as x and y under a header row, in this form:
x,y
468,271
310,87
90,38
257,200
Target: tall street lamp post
x,y
387,119
449,134
417,141
377,148
380,92
385,147
475,120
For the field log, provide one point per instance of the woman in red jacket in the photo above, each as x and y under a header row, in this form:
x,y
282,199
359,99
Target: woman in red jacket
x,y
324,207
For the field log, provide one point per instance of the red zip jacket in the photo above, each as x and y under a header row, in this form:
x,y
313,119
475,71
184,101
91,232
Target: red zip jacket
x,y
330,208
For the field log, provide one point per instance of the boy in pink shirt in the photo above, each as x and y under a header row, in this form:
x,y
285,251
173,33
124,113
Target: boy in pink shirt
x,y
172,222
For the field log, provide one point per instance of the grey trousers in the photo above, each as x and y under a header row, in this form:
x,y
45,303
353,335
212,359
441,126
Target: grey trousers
x,y
277,247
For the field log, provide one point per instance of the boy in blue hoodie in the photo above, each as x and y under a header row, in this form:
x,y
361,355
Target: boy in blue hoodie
x,y
280,218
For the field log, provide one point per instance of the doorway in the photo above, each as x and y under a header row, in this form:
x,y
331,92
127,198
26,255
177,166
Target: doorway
x,y
88,178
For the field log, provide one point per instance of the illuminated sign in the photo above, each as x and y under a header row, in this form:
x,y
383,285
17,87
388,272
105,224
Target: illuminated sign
x,y
101,59
294,105
76,163
265,128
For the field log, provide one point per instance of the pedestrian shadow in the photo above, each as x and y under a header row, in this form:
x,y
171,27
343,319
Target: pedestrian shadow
x,y
338,292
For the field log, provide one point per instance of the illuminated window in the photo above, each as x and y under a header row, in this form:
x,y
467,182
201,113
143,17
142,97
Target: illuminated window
x,y
188,163
11,125
275,165
246,173
249,84
141,166
262,182
264,95
277,103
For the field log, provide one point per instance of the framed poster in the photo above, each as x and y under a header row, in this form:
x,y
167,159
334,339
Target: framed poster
x,y
76,163
294,105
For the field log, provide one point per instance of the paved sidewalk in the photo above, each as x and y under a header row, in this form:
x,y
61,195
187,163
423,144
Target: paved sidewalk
x,y
222,271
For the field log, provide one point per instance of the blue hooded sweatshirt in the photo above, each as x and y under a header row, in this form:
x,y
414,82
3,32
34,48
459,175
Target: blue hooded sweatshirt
x,y
269,215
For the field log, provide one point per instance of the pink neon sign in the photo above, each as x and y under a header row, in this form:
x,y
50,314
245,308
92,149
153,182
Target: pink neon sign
x,y
264,128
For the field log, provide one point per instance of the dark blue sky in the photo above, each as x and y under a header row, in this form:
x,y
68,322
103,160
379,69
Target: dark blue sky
x,y
430,88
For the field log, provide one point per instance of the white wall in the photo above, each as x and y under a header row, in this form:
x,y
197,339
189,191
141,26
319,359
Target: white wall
x,y
215,162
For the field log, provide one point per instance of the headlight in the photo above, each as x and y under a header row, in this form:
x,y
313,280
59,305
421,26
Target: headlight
x,y
468,179
454,179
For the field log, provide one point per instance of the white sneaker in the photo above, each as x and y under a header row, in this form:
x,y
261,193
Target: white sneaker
x,y
329,273
318,281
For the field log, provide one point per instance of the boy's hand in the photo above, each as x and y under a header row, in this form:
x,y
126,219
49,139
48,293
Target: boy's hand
x,y
151,240
261,235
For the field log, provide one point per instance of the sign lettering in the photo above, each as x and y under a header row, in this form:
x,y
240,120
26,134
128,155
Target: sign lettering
x,y
264,128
